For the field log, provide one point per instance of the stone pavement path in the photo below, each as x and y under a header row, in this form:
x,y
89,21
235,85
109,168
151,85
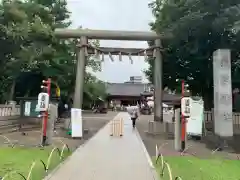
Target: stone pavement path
x,y
108,158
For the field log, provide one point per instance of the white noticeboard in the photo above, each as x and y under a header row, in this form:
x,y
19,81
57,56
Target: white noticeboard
x,y
195,121
27,108
76,121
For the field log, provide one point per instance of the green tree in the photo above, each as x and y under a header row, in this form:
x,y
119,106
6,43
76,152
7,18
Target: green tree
x,y
31,52
199,27
25,38
67,63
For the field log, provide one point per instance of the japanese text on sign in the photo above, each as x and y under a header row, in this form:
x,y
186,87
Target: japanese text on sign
x,y
224,79
225,99
185,106
43,102
225,62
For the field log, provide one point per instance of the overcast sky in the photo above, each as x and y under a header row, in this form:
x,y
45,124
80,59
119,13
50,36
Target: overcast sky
x,y
114,15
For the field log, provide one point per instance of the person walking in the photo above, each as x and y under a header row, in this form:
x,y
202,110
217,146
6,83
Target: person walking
x,y
134,116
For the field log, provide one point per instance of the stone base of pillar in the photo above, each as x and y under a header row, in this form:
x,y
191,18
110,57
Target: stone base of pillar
x,y
155,128
224,143
218,143
85,131
159,128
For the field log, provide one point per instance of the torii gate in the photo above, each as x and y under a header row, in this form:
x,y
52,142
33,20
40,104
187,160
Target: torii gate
x,y
85,34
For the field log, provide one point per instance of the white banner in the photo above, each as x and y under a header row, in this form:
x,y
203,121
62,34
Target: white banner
x,y
76,121
195,121
27,109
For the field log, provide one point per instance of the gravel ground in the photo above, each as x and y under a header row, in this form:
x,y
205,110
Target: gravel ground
x,y
197,148
32,137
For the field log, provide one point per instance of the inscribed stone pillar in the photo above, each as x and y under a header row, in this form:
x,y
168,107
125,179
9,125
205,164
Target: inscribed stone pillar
x,y
223,122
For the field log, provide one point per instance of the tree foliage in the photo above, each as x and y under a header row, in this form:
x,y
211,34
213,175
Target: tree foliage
x,y
31,52
199,27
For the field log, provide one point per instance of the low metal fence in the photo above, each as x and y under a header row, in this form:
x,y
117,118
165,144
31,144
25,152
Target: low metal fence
x,y
7,111
209,121
9,116
14,118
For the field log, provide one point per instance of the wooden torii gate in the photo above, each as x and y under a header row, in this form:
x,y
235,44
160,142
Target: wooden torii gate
x,y
85,34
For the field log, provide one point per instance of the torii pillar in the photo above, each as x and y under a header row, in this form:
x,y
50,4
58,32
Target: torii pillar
x,y
158,89
80,74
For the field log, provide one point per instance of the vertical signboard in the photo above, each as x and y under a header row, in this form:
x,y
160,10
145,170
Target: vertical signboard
x,y
27,109
223,123
185,106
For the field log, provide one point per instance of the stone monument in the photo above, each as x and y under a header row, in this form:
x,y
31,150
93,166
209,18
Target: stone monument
x,y
223,122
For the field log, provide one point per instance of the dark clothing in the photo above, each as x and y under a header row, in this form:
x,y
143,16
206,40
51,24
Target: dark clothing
x,y
60,109
133,121
134,117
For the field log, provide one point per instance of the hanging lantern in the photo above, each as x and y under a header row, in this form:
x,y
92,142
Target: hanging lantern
x,y
111,57
102,58
145,55
120,56
130,58
96,54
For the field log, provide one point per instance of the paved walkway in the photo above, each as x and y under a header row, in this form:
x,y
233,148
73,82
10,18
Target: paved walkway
x,y
108,158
